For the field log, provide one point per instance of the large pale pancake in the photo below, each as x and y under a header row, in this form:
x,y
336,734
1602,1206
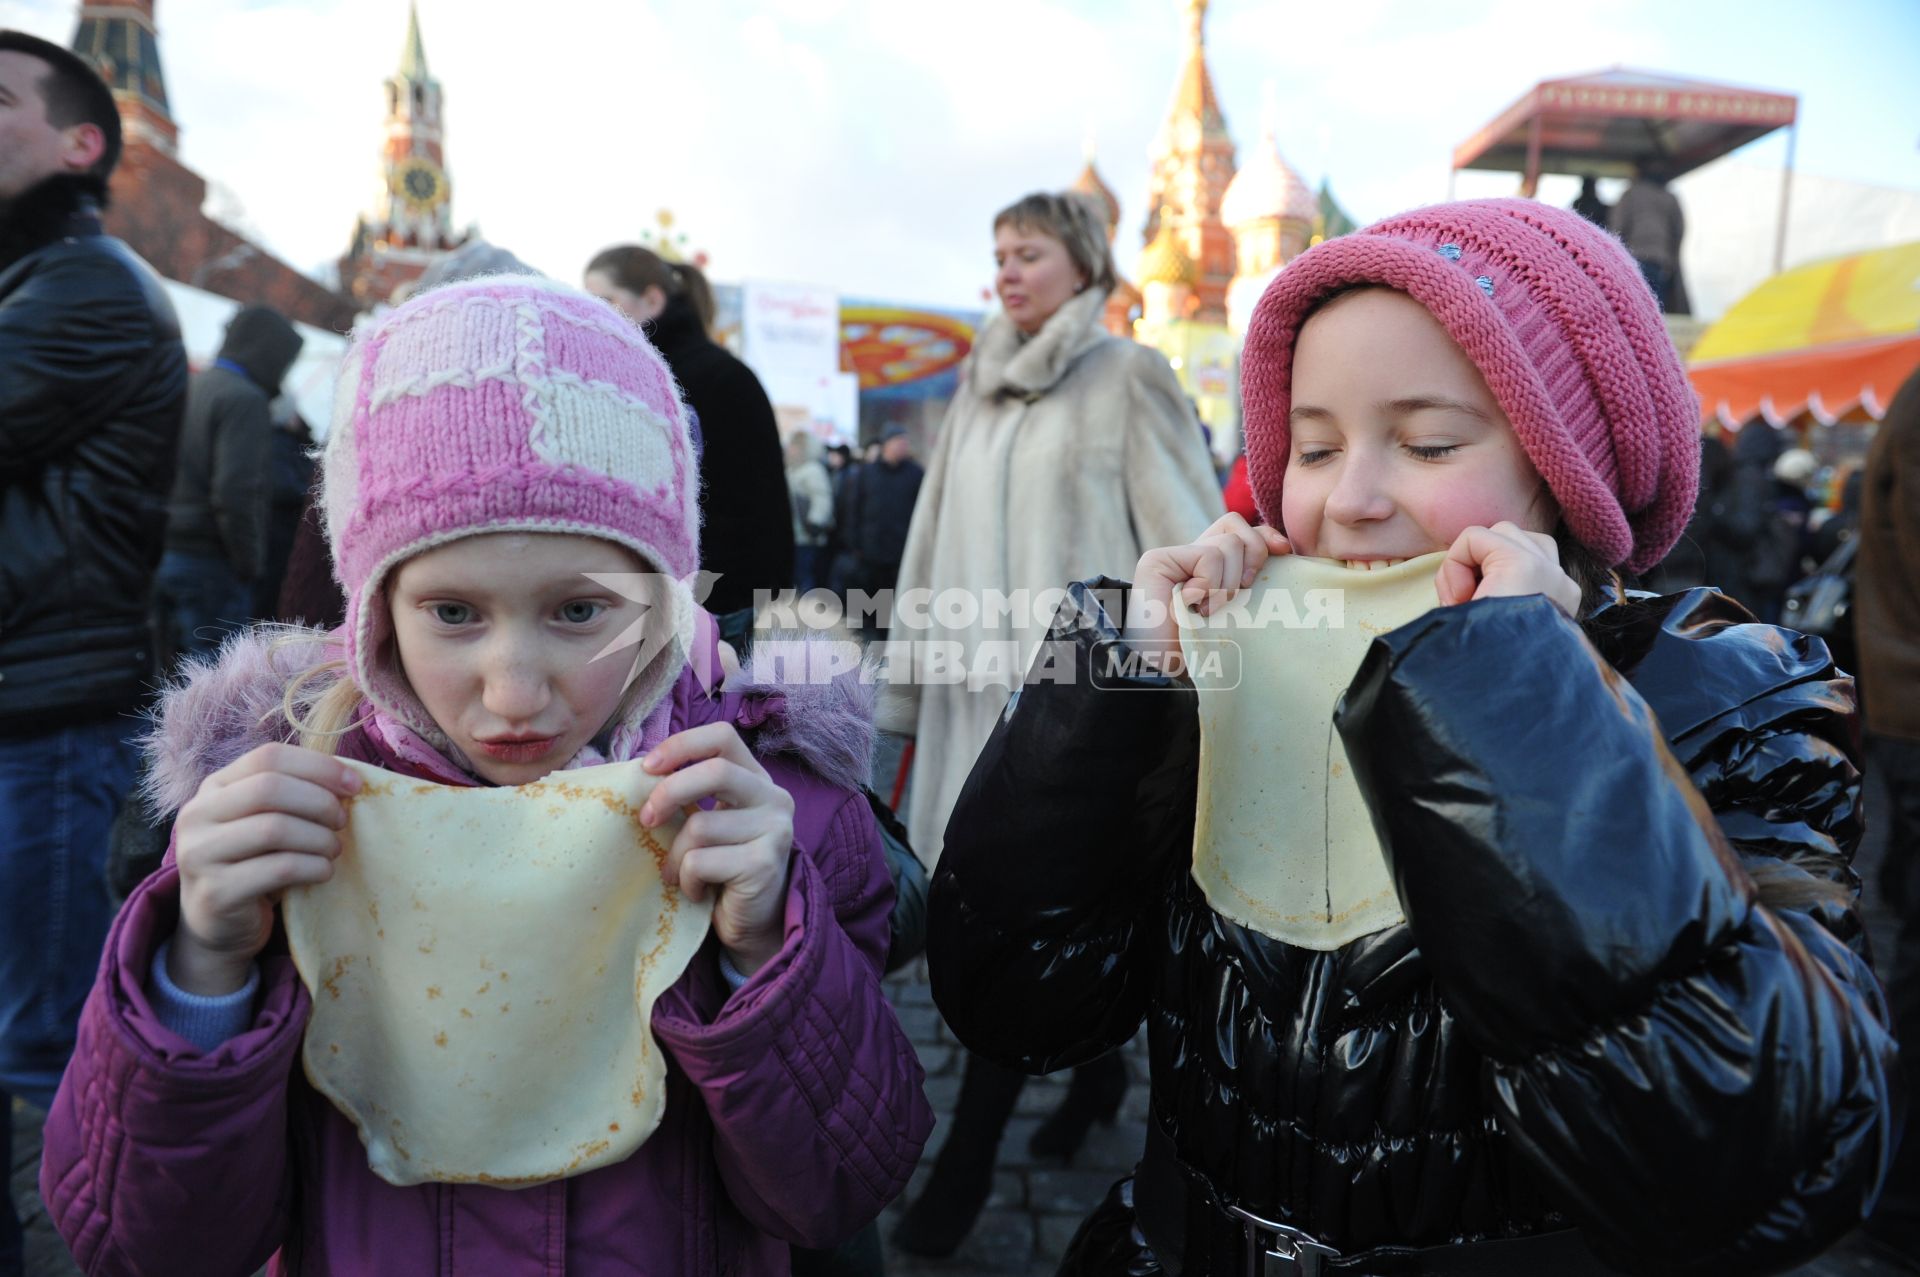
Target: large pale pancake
x,y
1282,840
484,964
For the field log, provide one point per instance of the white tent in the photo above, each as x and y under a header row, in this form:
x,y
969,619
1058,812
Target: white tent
x,y
1733,211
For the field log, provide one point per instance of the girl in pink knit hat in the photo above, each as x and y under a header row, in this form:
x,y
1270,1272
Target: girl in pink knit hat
x,y
1611,1009
511,503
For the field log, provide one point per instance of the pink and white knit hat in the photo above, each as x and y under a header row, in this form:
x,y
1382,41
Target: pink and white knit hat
x,y
505,403
1559,321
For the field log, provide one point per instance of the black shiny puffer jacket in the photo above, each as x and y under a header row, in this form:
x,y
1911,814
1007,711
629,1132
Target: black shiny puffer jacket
x,y
1587,1018
93,380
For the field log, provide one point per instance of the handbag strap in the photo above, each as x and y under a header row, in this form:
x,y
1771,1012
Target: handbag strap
x,y
1840,562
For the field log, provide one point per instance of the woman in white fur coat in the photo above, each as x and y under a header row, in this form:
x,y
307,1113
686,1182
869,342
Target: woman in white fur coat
x,y
1068,452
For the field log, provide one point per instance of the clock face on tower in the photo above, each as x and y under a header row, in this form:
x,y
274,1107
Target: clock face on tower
x,y
420,183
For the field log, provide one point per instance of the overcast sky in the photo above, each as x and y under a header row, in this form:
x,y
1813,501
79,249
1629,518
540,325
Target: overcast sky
x,y
865,144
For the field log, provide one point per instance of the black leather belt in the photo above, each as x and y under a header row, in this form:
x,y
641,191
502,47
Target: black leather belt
x,y
1270,1248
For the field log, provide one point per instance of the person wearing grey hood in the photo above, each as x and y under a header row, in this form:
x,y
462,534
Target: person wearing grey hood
x,y
216,547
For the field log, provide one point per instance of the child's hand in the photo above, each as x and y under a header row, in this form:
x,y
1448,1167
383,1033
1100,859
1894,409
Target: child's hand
x,y
256,827
1207,574
741,846
1505,561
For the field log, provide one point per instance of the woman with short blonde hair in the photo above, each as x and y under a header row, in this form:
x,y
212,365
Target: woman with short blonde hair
x,y
1076,222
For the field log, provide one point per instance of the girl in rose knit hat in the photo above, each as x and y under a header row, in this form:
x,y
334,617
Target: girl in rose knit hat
x,y
505,453
1622,1017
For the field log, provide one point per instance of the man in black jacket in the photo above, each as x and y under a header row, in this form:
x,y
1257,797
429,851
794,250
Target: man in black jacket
x,y
92,382
217,521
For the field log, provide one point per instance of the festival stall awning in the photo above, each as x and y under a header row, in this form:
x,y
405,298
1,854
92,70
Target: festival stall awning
x,y
1609,122
1612,122
1831,340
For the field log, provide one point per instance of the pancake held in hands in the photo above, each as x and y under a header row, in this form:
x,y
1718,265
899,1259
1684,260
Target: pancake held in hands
x,y
483,966
1282,841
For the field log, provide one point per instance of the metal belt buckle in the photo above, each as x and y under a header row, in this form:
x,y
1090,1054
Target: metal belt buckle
x,y
1280,1250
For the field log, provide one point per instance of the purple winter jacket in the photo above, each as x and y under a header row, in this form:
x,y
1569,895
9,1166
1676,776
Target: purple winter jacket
x,y
794,1110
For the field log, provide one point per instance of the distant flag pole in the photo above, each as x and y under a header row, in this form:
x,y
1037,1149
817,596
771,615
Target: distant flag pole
x,y
1786,194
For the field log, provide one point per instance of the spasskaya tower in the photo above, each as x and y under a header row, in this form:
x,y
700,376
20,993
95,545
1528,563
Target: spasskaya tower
x,y
410,222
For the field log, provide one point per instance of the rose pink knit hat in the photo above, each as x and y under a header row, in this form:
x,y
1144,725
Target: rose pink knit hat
x,y
505,403
1559,321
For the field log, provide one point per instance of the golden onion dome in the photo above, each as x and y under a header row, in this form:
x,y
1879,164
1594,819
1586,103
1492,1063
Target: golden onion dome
x,y
1164,261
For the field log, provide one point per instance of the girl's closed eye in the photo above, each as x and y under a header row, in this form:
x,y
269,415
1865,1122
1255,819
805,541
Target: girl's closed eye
x,y
1314,456
1432,451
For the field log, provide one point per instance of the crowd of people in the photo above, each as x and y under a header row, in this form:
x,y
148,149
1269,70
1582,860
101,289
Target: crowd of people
x,y
1769,516
1624,948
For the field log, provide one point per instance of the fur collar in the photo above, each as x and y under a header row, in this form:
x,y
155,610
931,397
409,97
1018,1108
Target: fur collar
x,y
221,708
1003,363
56,208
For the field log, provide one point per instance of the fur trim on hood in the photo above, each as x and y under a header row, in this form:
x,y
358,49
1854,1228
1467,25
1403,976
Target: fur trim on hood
x,y
219,709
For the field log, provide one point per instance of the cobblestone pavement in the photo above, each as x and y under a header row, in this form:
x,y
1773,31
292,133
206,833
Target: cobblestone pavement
x,y
1035,1207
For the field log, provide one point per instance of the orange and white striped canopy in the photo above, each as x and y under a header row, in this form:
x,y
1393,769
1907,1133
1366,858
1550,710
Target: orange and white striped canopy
x,y
1831,340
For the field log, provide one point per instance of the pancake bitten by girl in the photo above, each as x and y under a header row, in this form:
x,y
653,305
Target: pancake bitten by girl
x,y
1282,838
579,915
484,964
